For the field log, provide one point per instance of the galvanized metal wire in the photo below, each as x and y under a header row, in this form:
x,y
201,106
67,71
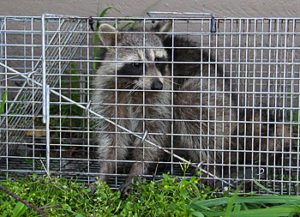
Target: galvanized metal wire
x,y
57,56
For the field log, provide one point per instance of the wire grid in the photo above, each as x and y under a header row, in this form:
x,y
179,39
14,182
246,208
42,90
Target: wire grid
x,y
261,61
22,50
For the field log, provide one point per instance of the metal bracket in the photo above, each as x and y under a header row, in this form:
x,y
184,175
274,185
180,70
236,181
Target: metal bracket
x,y
213,25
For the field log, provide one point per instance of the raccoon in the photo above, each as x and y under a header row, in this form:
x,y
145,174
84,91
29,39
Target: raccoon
x,y
134,93
207,120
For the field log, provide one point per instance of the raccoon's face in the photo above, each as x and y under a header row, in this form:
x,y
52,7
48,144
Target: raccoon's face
x,y
139,58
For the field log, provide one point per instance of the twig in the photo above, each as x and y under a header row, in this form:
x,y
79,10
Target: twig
x,y
155,172
44,167
28,204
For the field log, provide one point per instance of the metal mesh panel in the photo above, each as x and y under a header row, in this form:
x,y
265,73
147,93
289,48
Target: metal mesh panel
x,y
229,103
22,120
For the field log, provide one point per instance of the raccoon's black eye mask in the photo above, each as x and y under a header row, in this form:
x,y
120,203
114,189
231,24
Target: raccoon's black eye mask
x,y
135,68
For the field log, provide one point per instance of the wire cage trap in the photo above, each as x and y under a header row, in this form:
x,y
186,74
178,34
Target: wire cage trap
x,y
231,98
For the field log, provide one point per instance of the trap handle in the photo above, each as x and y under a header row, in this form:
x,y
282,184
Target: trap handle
x,y
175,14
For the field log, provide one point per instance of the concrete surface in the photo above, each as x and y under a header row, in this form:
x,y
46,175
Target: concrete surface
x,y
227,8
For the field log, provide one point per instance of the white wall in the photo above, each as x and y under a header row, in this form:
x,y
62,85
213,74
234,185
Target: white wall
x,y
229,8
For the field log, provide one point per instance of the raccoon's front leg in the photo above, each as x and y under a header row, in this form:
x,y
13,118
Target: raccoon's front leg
x,y
143,154
112,147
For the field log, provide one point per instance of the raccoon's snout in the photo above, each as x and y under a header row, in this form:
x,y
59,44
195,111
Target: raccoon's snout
x,y
156,84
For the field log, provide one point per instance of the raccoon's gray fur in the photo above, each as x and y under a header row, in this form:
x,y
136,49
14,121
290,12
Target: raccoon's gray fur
x,y
206,105
207,119
124,99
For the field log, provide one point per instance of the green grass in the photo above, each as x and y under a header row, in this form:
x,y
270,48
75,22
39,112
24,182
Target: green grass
x,y
248,206
61,197
3,101
166,197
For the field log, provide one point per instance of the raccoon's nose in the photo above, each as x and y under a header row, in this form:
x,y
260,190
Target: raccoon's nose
x,y
156,84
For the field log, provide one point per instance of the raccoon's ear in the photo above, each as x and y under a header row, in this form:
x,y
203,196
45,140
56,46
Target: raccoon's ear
x,y
107,34
162,26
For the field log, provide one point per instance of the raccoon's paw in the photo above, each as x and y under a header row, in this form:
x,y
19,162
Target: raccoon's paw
x,y
125,188
93,188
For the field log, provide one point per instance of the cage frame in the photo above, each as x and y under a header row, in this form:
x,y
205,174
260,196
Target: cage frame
x,y
210,19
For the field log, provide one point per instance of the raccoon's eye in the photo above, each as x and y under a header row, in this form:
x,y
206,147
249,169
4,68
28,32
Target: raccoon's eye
x,y
137,65
157,59
161,64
